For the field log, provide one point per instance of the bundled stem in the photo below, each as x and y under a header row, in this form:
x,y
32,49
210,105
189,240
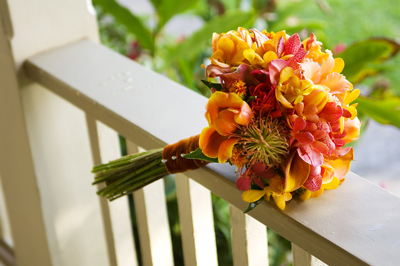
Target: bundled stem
x,y
129,173
132,172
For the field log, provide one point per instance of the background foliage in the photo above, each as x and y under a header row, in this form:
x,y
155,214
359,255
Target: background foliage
x,y
362,32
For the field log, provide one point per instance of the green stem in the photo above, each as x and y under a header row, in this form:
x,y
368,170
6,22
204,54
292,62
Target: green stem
x,y
110,187
129,173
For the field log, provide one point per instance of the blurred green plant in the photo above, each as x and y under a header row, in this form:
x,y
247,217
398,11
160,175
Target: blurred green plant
x,y
371,63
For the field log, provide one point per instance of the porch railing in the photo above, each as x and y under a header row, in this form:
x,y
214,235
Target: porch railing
x,y
63,101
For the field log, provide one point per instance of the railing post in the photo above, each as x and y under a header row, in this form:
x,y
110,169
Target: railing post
x,y
303,258
152,220
197,224
46,196
16,168
249,239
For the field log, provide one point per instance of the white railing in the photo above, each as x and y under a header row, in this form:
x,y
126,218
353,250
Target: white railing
x,y
61,113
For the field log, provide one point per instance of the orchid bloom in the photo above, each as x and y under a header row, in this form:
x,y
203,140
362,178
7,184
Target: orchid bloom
x,y
296,173
330,173
275,189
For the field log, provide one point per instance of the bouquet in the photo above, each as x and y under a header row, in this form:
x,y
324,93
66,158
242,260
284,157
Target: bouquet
x,y
280,111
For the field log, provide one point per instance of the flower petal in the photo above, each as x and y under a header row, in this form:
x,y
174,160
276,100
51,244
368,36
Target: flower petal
x,y
286,74
352,128
352,96
299,124
339,65
331,112
336,82
304,137
269,56
227,46
313,183
245,115
342,164
320,147
334,184
209,141
293,44
310,156
279,201
305,195
225,149
296,172
252,195
225,123
243,183
318,97
275,68
311,70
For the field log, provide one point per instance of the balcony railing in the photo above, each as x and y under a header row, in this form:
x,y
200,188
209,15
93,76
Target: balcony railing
x,y
62,111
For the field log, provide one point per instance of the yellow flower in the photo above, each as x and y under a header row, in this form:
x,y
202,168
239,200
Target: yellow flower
x,y
275,189
229,48
296,173
291,89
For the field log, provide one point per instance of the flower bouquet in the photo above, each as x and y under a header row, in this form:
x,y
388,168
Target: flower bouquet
x,y
280,111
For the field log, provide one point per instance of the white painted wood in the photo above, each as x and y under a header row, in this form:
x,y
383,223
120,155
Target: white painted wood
x,y
119,209
5,228
303,258
152,221
7,256
197,224
39,25
249,239
341,227
16,168
55,219
62,158
116,216
105,210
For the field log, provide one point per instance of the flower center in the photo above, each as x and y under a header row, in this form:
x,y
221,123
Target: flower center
x,y
264,142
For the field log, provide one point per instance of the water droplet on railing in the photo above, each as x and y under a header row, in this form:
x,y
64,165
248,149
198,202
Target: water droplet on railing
x,y
128,80
127,72
119,75
127,88
111,78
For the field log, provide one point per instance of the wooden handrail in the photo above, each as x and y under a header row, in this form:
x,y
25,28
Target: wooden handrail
x,y
357,224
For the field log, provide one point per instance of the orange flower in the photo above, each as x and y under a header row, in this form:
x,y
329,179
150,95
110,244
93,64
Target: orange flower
x,y
227,110
214,145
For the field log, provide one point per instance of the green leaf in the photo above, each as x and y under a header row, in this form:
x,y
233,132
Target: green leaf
x,y
166,9
199,155
252,205
362,58
155,3
210,85
194,43
129,20
384,111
